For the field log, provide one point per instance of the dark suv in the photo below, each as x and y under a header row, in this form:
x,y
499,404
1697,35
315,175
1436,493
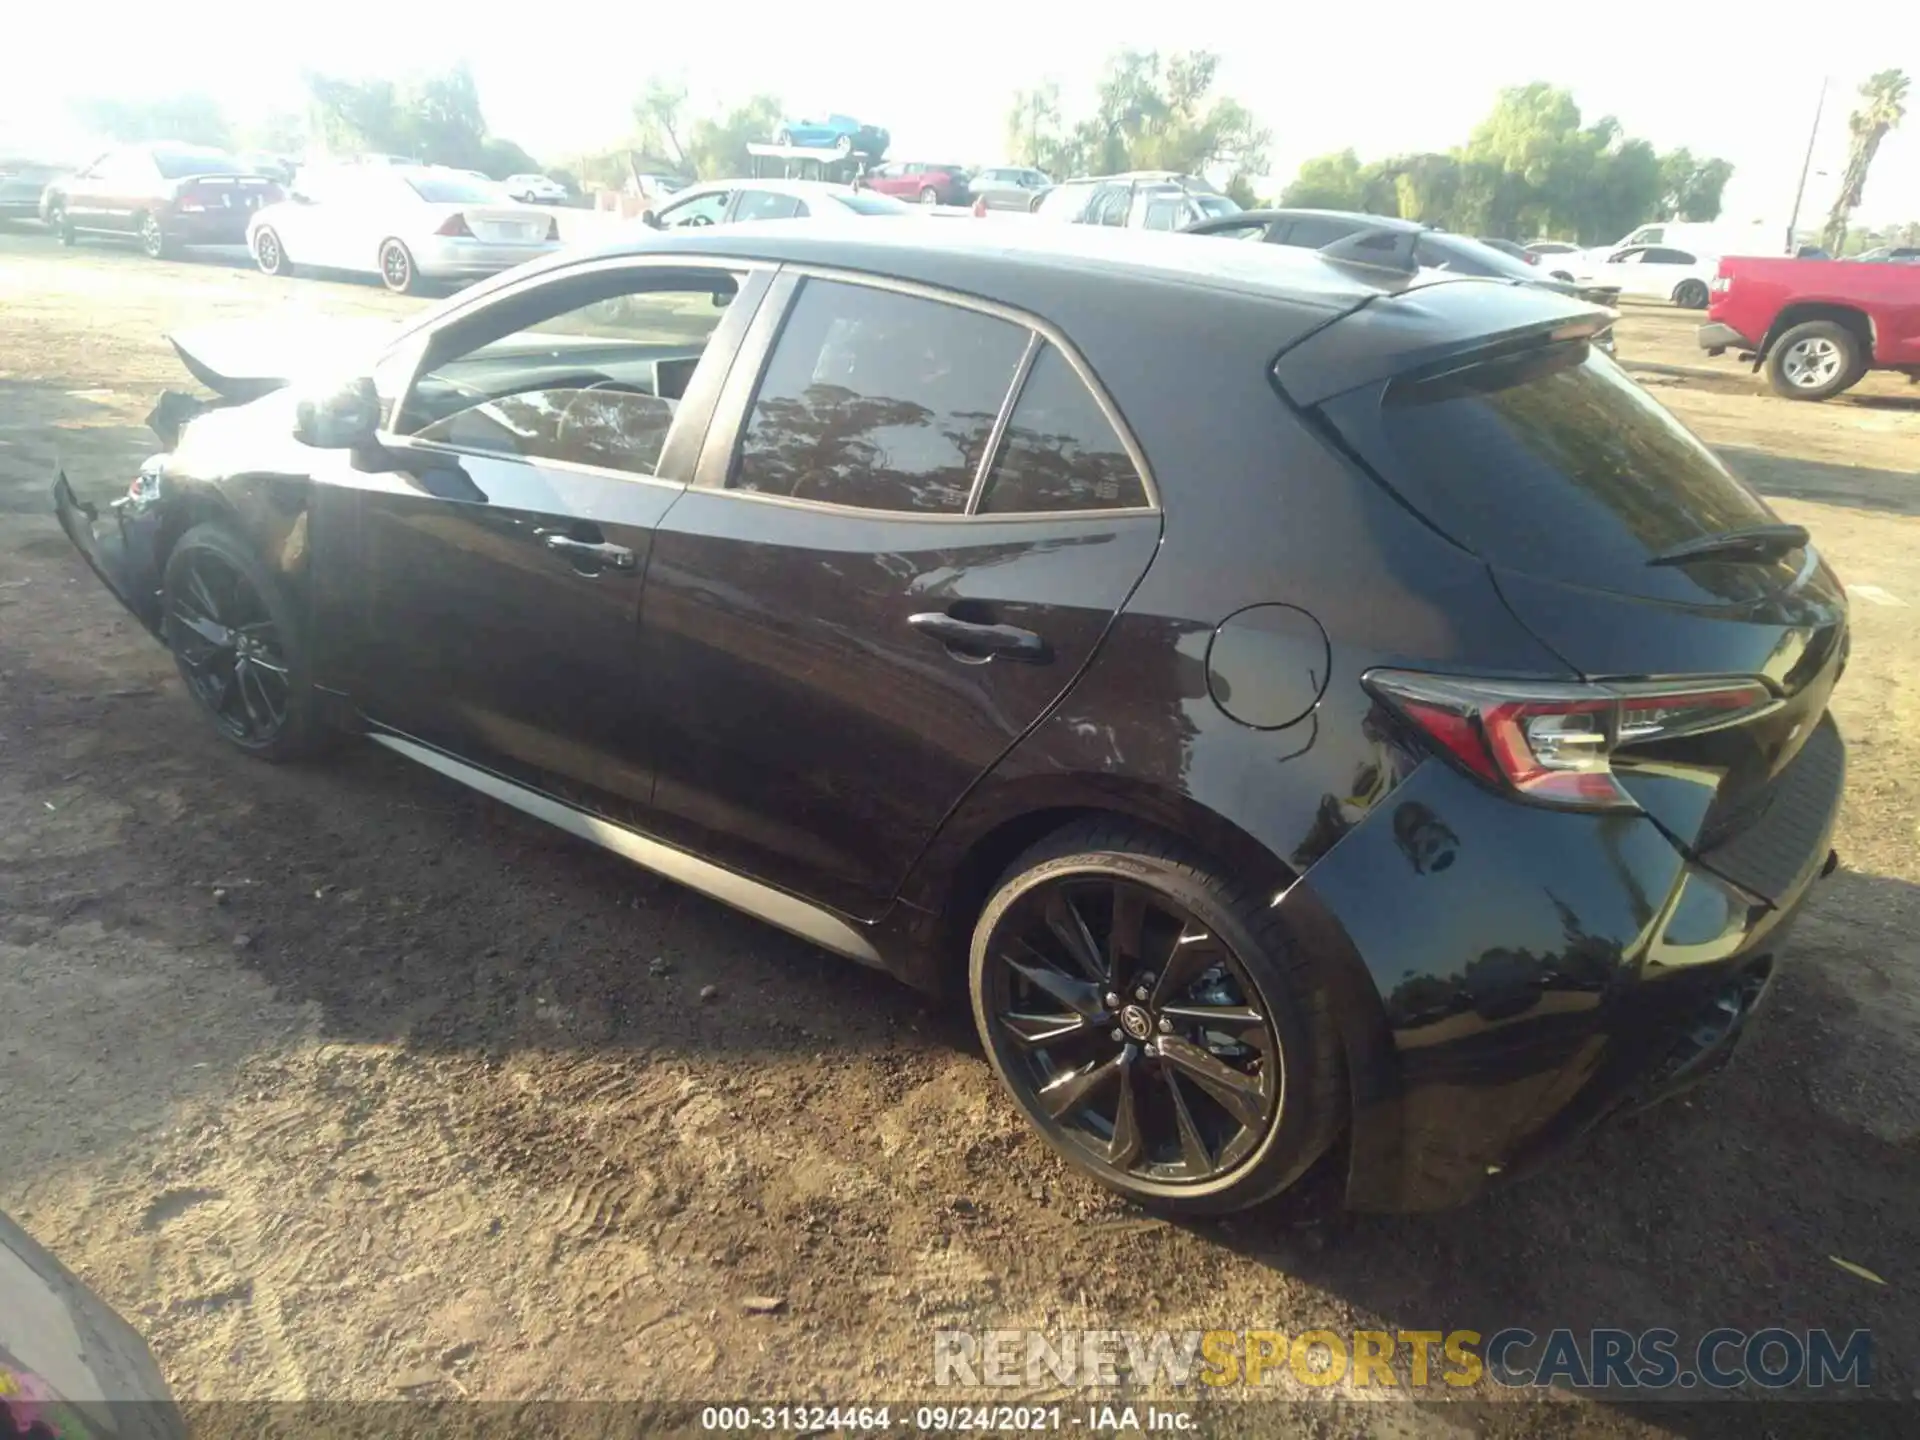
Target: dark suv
x,y
1296,707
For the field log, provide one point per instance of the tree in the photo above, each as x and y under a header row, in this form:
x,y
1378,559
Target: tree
x,y
1151,112
1883,107
660,123
190,119
436,118
1530,167
717,145
1689,188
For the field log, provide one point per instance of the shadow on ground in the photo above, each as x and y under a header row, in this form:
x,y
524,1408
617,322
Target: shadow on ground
x,y
1854,486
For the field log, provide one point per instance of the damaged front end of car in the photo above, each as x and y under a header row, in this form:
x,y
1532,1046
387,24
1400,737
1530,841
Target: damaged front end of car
x,y
126,547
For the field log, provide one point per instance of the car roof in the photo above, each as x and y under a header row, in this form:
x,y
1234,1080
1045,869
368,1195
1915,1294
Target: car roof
x,y
1013,258
801,189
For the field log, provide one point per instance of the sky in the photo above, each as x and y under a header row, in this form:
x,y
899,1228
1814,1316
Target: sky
x,y
1383,79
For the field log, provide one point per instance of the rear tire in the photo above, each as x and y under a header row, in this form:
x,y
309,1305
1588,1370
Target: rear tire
x,y
397,270
61,226
256,684
269,254
155,243
1691,295
1815,361
929,195
1196,1148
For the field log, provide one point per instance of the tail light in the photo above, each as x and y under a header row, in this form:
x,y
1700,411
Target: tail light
x,y
553,228
1554,742
455,224
1531,258
1721,284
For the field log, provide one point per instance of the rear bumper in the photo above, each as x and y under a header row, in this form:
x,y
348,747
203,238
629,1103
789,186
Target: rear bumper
x,y
208,227
1518,976
121,549
1716,338
448,257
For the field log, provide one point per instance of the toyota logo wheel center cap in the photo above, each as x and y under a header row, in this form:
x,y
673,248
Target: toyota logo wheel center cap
x,y
1136,1022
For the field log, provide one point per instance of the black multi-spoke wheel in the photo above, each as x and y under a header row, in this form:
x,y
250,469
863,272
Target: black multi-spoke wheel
x,y
232,635
1147,1018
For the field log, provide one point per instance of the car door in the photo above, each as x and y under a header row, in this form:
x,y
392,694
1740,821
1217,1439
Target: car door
x,y
501,543
914,520
126,186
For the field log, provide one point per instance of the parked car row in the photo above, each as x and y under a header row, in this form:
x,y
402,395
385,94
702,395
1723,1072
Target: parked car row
x,y
386,215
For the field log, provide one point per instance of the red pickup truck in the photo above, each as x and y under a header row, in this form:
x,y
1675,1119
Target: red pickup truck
x,y
1816,326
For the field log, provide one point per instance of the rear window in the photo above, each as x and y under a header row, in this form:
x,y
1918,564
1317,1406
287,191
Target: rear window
x,y
185,164
1212,206
1461,255
451,190
1553,462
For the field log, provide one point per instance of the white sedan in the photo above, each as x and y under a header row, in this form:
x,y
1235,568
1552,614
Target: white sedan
x,y
405,224
1659,272
535,189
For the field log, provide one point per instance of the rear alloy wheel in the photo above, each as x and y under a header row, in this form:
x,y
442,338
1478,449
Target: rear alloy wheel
x,y
61,226
269,255
233,633
396,268
929,195
844,145
1150,1019
154,241
1691,295
1815,361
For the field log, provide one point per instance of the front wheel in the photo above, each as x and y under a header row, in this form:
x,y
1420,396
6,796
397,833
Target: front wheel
x,y
396,268
61,226
783,137
929,195
1154,1021
844,145
1815,361
1691,295
235,637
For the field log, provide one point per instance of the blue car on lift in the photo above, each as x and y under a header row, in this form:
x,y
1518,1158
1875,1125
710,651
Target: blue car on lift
x,y
841,133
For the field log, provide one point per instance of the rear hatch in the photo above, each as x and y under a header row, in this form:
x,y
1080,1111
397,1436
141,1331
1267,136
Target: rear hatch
x,y
1617,538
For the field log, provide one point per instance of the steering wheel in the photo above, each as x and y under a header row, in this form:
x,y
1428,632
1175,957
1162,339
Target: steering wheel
x,y
573,424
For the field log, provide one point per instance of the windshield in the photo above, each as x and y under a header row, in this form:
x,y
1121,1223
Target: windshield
x,y
865,202
185,164
1553,462
1213,206
451,190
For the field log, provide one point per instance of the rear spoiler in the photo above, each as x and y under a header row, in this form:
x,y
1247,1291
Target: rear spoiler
x,y
1420,326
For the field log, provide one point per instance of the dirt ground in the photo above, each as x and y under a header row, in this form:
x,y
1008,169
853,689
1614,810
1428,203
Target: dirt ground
x,y
342,1082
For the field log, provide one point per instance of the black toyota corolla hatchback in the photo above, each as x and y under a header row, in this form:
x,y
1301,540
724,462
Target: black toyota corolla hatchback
x,y
1309,711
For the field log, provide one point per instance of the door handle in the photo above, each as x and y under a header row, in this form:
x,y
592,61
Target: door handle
x,y
614,557
975,640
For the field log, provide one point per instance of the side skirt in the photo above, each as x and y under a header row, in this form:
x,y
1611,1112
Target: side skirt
x,y
776,907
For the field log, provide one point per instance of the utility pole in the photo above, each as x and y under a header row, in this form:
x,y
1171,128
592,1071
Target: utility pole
x,y
1806,166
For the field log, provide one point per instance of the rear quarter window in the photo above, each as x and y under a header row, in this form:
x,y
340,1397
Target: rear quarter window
x,y
1060,451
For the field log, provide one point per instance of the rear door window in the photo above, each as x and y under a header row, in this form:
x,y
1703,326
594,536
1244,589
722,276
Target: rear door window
x,y
765,205
877,400
1554,463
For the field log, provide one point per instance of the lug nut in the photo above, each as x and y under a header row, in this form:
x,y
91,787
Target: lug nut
x,y
1166,1026
1141,993
1113,1001
1118,1033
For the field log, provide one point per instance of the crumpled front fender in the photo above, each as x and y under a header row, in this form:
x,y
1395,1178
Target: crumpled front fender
x,y
122,549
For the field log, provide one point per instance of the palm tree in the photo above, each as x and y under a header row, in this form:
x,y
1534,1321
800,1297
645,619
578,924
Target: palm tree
x,y
1884,105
